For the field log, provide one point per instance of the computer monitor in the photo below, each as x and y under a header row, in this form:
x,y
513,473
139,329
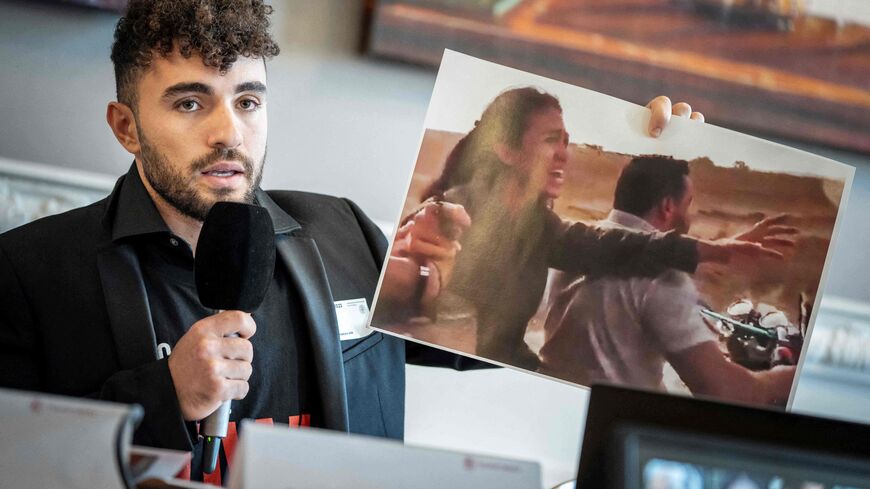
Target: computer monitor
x,y
648,440
664,459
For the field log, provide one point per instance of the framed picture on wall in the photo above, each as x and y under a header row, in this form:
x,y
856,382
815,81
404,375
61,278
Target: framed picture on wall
x,y
797,69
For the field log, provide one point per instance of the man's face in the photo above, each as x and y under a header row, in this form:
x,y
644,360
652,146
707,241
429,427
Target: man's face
x,y
680,219
544,152
202,134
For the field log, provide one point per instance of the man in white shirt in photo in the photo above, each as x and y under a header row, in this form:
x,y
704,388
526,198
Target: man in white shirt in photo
x,y
625,329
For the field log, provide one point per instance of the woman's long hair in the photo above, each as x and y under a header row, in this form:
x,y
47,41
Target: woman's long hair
x,y
504,120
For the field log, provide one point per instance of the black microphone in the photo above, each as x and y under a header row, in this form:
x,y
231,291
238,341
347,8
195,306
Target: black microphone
x,y
235,260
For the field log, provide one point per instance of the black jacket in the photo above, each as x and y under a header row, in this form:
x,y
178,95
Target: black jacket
x,y
74,317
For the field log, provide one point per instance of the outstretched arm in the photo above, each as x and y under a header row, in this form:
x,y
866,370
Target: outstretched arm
x,y
672,320
706,371
579,248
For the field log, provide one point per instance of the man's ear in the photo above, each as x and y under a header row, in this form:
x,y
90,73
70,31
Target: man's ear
x,y
505,153
123,124
667,207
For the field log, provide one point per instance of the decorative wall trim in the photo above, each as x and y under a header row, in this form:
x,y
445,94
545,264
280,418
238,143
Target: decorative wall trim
x,y
29,191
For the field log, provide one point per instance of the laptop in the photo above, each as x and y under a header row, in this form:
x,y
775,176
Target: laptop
x,y
638,439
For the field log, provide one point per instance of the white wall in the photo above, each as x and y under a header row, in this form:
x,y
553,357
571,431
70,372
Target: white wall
x,y
339,124
857,11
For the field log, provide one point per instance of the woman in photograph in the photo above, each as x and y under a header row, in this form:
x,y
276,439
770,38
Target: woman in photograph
x,y
506,173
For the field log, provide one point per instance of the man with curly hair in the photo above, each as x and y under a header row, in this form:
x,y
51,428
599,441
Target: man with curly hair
x,y
100,301
97,298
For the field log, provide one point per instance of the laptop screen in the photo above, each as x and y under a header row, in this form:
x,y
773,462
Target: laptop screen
x,y
661,459
638,439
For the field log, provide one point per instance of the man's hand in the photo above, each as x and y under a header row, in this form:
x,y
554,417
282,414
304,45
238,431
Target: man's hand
x,y
723,250
208,366
776,383
662,110
770,232
760,241
432,232
431,236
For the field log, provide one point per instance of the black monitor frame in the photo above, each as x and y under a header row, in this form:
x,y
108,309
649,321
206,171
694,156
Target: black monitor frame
x,y
635,447
612,408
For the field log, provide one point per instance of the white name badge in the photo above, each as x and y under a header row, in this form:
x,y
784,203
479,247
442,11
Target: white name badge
x,y
353,316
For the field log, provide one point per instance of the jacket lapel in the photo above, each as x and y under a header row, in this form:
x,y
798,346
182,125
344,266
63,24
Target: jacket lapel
x,y
127,305
305,266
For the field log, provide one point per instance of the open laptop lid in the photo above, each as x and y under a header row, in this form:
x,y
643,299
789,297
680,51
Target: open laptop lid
x,y
663,459
615,413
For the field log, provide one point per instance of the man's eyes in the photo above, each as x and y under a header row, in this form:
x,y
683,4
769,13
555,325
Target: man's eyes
x,y
193,105
249,104
558,139
188,105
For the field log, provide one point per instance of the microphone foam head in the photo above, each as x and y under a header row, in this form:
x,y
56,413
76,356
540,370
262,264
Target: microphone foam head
x,y
235,257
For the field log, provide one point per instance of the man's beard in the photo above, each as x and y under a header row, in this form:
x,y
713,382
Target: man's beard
x,y
179,190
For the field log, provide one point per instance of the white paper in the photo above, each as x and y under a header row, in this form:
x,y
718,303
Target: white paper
x,y
56,442
275,457
738,180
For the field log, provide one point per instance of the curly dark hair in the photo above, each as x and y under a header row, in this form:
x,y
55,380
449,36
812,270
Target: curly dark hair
x,y
217,30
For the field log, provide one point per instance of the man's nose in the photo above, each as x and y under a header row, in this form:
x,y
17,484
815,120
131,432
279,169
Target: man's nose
x,y
224,131
562,151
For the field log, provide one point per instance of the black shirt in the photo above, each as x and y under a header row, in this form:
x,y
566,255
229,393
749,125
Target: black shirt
x,y
282,385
